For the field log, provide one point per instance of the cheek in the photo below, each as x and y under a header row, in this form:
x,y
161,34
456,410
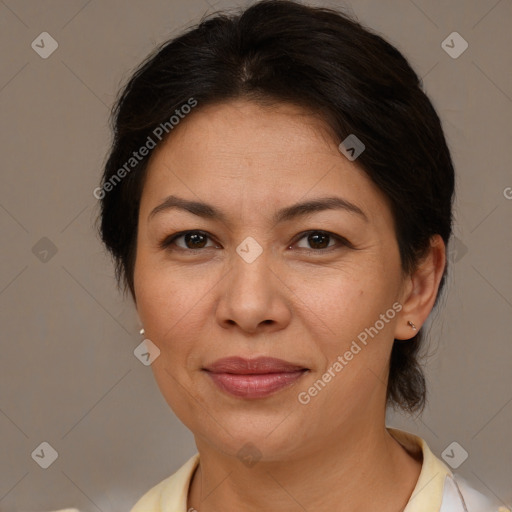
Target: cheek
x,y
175,305
167,298
169,305
349,317
341,302
350,304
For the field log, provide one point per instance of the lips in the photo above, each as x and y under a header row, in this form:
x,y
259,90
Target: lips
x,y
253,378
260,365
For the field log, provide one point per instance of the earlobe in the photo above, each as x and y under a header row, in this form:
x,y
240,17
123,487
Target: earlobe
x,y
413,326
420,295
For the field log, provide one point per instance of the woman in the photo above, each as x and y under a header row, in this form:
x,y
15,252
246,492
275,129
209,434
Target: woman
x,y
278,201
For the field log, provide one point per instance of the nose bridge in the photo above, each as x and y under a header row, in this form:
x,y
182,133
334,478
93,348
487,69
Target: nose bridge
x,y
250,250
251,296
250,273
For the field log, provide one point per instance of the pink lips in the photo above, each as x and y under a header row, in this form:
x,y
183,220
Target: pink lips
x,y
253,378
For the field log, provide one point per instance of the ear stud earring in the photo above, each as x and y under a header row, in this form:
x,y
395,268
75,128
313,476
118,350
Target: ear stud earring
x,y
142,332
412,325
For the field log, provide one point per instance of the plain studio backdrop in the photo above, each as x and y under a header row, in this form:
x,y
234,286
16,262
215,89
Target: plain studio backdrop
x,y
70,383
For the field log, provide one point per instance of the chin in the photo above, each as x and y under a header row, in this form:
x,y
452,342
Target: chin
x,y
262,438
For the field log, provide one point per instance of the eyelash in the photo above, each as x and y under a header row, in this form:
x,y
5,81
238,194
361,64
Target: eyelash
x,y
169,240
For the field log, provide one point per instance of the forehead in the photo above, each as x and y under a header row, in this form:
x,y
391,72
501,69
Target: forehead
x,y
242,153
243,129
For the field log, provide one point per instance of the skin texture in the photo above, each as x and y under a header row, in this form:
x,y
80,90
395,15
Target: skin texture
x,y
295,301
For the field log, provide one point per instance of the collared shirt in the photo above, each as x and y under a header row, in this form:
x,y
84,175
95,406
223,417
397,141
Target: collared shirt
x,y
437,488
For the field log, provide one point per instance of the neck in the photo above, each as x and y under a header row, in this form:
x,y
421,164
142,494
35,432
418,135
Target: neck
x,y
353,470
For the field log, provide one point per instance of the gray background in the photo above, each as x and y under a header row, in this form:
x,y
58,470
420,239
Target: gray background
x,y
68,375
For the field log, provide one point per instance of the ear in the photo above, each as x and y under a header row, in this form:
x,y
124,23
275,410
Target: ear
x,y
419,290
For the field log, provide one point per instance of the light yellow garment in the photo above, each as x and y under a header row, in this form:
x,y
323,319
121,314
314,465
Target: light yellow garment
x,y
171,493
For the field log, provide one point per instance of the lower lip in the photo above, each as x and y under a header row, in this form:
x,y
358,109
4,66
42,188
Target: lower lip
x,y
254,386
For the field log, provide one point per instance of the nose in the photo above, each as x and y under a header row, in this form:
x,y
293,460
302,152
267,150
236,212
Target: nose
x,y
253,297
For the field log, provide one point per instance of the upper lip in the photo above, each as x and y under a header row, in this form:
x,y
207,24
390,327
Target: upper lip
x,y
259,365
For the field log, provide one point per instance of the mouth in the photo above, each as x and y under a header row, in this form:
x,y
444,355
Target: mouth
x,y
253,378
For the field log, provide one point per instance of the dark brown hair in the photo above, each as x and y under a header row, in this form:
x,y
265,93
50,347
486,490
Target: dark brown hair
x,y
326,62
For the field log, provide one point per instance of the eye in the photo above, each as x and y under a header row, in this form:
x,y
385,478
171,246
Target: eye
x,y
193,240
319,241
196,240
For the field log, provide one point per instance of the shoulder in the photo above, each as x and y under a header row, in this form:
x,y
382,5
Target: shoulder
x,y
459,493
150,501
438,488
171,493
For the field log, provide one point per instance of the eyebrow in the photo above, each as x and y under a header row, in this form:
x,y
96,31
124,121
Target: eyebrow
x,y
208,211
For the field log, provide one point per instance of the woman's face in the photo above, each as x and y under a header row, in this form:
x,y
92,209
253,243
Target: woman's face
x,y
264,278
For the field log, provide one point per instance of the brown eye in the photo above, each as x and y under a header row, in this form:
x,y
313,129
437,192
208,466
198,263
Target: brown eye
x,y
321,240
192,240
318,240
196,240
